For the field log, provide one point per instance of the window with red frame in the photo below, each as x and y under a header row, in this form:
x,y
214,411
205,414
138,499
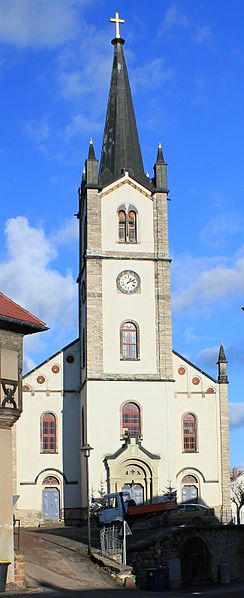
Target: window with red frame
x,y
131,420
48,433
190,432
129,341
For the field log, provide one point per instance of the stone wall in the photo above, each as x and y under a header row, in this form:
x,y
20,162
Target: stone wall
x,y
224,545
19,569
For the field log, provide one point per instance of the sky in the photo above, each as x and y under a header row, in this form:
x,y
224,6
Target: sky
x,y
186,68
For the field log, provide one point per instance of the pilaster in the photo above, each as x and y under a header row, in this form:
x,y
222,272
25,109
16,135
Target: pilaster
x,y
162,288
94,315
225,452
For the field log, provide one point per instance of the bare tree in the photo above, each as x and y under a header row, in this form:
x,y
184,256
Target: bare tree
x,y
237,494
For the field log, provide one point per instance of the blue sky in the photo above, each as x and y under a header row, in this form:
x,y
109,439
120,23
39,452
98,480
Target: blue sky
x,y
186,67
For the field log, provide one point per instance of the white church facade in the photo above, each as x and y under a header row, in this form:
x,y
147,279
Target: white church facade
x,y
152,418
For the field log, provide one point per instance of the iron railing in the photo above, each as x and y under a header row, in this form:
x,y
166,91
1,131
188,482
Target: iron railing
x,y
111,545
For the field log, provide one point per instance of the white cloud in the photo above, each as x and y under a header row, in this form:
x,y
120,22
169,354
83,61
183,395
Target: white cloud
x,y
37,130
28,277
39,23
221,227
152,73
174,18
80,124
208,356
28,363
236,414
67,234
204,35
213,282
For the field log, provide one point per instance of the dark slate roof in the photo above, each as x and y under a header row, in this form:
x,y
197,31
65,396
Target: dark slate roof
x,y
121,147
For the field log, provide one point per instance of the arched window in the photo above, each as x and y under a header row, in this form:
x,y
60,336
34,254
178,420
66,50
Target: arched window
x,y
132,227
129,341
48,433
131,420
127,225
51,480
122,226
189,432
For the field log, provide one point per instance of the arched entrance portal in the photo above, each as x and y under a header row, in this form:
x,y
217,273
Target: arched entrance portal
x,y
195,562
136,477
133,467
51,499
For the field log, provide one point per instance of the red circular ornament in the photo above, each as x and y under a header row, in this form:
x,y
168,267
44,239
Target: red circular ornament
x,y
181,371
26,388
55,369
40,379
195,380
210,390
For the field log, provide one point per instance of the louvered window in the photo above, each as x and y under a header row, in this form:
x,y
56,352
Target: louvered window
x,y
127,226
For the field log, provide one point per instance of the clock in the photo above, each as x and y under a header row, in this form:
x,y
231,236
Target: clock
x,y
128,282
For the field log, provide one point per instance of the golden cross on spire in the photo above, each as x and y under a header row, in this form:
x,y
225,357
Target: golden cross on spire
x,y
117,22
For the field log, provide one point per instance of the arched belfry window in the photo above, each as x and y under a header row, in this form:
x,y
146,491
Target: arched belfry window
x,y
189,433
127,225
122,226
48,433
129,340
131,420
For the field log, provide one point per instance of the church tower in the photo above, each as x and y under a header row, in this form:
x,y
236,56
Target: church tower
x,y
125,314
144,408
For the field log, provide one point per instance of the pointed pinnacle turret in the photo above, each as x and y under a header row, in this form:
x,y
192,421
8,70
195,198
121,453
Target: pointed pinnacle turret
x,y
160,158
160,171
91,152
221,357
121,147
91,167
222,366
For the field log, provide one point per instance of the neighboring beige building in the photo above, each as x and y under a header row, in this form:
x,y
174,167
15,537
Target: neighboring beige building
x,y
151,416
15,323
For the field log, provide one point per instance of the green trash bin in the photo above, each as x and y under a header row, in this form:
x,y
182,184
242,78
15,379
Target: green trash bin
x,y
3,574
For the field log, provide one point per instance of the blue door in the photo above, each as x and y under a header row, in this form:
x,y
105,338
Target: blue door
x,y
50,504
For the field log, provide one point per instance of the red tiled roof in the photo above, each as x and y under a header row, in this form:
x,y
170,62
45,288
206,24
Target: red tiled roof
x,y
10,309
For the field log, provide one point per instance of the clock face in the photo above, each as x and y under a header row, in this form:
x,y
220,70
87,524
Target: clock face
x,y
128,281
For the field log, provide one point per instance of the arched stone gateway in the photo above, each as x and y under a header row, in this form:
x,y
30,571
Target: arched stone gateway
x,y
195,560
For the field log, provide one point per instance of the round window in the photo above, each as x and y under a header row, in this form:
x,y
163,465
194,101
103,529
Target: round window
x,y
26,388
55,369
181,371
70,358
40,379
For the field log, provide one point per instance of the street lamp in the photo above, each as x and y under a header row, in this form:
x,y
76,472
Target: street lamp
x,y
86,450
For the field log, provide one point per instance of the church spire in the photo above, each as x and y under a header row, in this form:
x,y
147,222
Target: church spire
x,y
121,147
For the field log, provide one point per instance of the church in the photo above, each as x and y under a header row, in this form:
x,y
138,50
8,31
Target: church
x,y
153,419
